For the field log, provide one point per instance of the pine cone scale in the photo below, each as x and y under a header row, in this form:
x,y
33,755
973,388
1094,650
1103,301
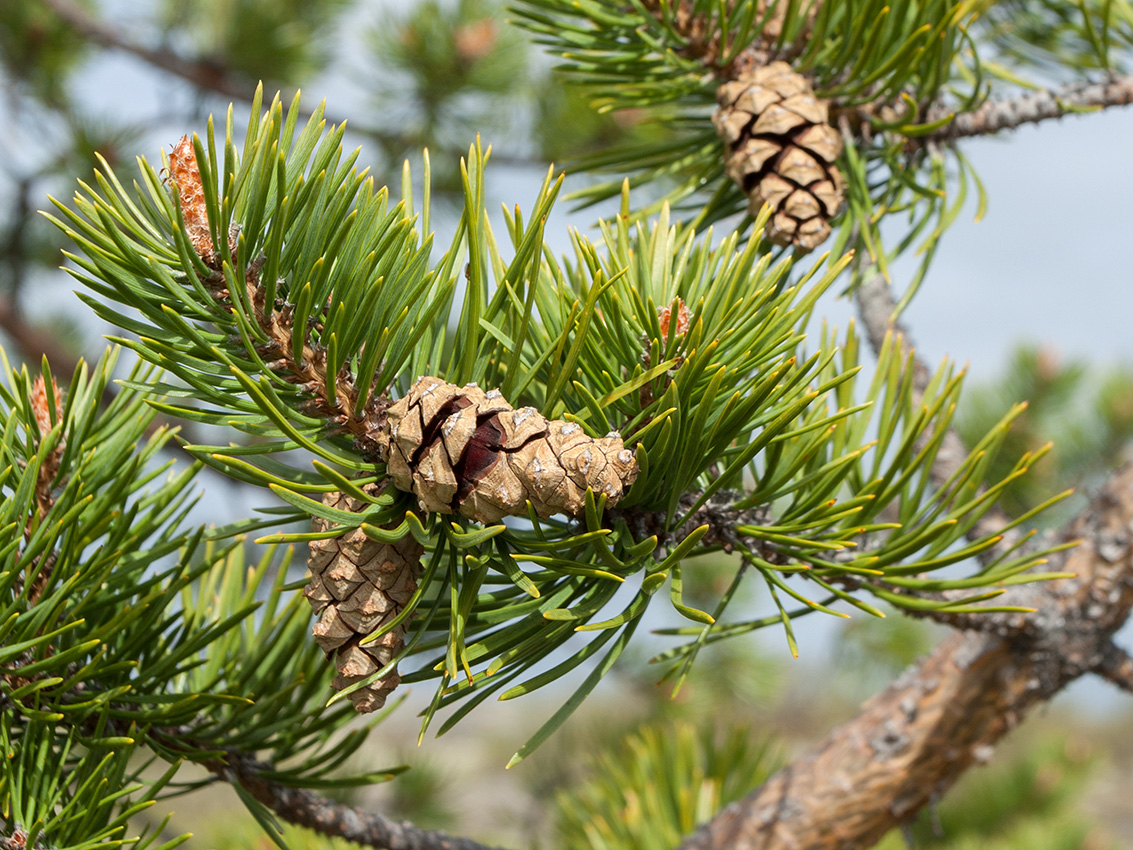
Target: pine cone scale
x,y
457,449
485,460
359,585
781,150
777,120
822,140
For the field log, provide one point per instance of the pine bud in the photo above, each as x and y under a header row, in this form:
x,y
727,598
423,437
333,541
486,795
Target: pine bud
x,y
185,173
40,407
684,318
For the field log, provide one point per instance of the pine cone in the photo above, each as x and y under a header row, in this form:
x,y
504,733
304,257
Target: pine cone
x,y
781,152
460,449
358,585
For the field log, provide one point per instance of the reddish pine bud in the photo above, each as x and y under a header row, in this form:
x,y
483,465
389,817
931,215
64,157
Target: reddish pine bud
x,y
186,177
40,407
684,317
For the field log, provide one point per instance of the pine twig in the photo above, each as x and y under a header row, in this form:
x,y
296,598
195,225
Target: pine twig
x,y
205,75
306,367
996,116
911,743
1116,666
876,307
326,817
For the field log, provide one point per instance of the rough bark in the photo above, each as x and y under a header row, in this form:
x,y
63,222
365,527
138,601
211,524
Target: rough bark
x,y
996,116
327,817
913,741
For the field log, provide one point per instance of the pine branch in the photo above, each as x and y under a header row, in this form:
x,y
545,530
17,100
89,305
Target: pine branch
x,y
326,817
1116,665
305,366
912,742
202,74
996,116
308,367
876,308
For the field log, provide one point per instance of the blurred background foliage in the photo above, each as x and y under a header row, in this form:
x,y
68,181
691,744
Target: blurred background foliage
x,y
1084,409
123,77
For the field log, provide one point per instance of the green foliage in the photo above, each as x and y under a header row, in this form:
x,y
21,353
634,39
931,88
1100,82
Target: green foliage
x,y
662,782
644,56
280,40
881,65
58,789
736,413
39,50
133,645
127,639
1086,413
909,47
1054,35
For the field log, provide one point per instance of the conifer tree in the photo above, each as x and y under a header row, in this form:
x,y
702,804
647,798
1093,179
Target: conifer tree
x,y
495,460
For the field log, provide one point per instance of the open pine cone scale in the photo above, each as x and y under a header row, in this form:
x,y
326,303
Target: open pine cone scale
x,y
781,150
467,451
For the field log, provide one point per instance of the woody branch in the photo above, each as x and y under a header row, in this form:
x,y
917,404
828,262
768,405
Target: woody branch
x,y
996,116
912,742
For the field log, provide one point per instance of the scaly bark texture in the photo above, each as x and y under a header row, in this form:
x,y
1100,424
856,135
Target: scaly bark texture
x,y
996,116
913,741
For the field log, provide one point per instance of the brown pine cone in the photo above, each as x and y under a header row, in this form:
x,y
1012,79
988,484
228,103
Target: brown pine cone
x,y
461,449
781,151
357,586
